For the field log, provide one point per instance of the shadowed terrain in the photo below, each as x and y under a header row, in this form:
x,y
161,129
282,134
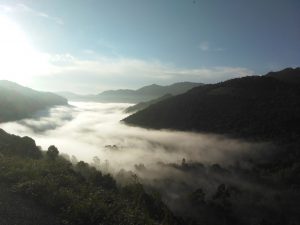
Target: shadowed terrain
x,y
18,102
265,107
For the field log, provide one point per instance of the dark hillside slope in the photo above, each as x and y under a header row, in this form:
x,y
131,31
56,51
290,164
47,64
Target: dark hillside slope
x,y
14,145
289,75
254,106
143,105
17,102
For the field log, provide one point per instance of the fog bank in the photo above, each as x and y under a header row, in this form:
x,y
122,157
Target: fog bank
x,y
87,130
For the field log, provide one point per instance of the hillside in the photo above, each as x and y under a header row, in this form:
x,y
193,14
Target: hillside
x,y
143,94
17,102
146,93
47,188
143,105
255,106
288,75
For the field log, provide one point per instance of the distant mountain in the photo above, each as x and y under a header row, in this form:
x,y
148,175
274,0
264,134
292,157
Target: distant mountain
x,y
255,106
143,94
17,102
143,105
77,97
146,93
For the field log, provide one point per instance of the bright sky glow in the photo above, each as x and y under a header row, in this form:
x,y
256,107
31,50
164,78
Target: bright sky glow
x,y
19,60
93,45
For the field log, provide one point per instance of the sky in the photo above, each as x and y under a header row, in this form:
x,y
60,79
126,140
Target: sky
x,y
88,46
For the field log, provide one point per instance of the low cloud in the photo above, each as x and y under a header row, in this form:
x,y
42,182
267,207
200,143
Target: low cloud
x,y
171,162
88,130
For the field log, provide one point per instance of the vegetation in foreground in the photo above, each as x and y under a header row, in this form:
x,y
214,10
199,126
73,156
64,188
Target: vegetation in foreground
x,y
44,188
68,194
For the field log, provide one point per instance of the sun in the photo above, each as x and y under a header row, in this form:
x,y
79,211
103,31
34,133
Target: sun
x,y
19,61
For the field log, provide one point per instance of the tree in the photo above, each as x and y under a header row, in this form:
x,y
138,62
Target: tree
x,y
198,197
52,152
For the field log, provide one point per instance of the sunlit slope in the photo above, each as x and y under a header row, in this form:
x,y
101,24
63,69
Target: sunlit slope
x,y
254,106
17,102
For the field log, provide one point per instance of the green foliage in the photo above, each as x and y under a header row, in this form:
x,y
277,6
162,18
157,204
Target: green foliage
x,y
77,194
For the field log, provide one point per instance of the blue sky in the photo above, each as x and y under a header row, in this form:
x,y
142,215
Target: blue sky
x,y
93,45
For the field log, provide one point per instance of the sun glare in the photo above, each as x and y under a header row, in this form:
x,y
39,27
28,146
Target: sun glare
x,y
19,60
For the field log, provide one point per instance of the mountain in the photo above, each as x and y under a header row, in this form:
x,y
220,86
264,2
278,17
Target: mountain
x,y
254,106
143,94
146,93
17,102
143,105
288,75
175,89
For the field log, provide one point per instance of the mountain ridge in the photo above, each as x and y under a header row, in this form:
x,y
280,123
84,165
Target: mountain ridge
x,y
18,102
251,106
145,93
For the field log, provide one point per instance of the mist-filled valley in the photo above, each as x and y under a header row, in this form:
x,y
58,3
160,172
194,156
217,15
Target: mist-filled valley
x,y
149,112
191,172
86,130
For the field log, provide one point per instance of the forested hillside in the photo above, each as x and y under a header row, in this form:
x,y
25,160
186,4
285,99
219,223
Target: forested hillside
x,y
264,107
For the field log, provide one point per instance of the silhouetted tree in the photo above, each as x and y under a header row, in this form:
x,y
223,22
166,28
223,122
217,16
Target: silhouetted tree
x,y
198,196
52,152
